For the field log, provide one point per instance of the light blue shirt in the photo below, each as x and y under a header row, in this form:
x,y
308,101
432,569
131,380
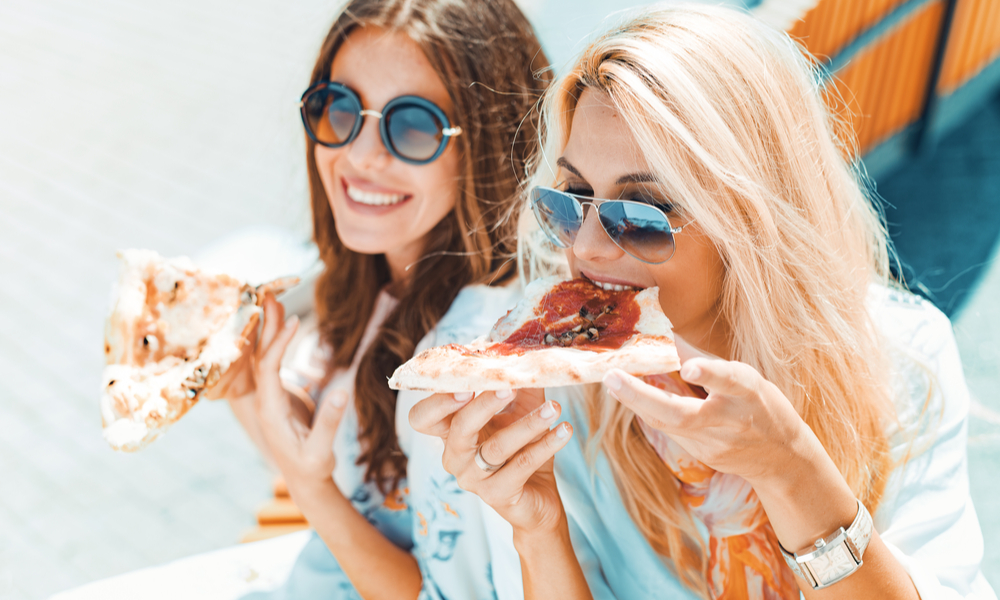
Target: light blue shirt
x,y
441,525
926,517
616,559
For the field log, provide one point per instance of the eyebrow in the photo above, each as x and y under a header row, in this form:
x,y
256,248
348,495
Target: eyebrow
x,y
623,180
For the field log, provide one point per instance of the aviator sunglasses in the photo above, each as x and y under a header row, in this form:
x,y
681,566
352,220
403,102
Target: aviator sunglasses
x,y
413,129
642,230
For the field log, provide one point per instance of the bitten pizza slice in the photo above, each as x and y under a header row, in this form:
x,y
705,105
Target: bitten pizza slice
x,y
172,332
560,333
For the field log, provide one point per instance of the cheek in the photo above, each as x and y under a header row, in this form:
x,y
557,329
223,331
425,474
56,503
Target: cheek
x,y
691,283
325,159
437,185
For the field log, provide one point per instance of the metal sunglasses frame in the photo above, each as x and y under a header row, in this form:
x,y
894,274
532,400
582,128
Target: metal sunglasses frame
x,y
583,201
447,131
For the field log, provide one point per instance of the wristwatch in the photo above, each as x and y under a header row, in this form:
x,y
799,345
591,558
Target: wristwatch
x,y
836,556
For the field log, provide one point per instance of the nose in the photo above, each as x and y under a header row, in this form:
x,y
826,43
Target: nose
x,y
367,152
592,243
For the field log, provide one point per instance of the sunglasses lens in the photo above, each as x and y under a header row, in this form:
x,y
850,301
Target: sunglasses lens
x,y
331,115
639,229
414,132
559,215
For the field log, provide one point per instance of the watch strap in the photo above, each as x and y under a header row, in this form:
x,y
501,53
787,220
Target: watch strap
x,y
835,556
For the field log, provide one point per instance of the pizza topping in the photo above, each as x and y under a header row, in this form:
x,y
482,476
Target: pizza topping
x,y
560,333
575,314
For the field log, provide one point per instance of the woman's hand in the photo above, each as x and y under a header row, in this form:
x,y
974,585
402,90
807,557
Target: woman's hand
x,y
238,380
300,444
745,426
522,490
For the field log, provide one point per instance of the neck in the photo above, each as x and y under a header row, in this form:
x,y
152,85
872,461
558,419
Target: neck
x,y
400,261
713,337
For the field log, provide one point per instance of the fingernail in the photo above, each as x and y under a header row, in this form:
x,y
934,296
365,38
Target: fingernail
x,y
562,431
613,381
463,396
339,398
690,371
501,394
548,411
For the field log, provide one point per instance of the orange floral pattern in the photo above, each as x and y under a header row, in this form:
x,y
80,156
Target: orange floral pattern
x,y
745,562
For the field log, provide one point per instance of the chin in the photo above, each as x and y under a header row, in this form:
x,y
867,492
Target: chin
x,y
365,242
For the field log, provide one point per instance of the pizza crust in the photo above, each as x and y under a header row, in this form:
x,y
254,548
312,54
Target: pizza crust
x,y
172,333
453,369
471,368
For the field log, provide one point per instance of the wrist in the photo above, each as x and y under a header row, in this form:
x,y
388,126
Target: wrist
x,y
807,498
542,539
799,458
307,492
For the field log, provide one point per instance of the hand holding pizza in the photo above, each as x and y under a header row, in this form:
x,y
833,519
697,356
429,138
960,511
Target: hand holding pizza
x,y
744,427
301,443
503,455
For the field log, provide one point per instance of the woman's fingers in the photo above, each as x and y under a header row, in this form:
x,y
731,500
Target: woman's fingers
x,y
659,409
270,358
508,441
433,414
274,316
730,378
325,423
463,437
271,395
474,416
515,474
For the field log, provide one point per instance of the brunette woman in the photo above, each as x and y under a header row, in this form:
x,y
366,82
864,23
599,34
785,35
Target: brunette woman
x,y
814,441
419,122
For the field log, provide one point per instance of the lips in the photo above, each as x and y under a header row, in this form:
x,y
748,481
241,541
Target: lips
x,y
373,198
367,198
611,286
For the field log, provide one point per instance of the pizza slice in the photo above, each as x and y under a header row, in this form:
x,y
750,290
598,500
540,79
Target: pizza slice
x,y
172,332
560,333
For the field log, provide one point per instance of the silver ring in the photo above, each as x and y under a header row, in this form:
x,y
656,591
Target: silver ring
x,y
485,466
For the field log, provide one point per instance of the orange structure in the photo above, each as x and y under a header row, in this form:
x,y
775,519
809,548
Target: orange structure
x,y
908,70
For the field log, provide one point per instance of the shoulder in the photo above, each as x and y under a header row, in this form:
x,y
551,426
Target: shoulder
x,y
927,370
907,320
473,313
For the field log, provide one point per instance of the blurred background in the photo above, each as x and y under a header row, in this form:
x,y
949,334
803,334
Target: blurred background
x,y
174,126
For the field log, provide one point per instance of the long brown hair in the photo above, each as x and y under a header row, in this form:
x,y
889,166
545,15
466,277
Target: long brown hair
x,y
489,60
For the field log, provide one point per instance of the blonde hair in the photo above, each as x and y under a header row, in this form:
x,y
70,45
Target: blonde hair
x,y
728,113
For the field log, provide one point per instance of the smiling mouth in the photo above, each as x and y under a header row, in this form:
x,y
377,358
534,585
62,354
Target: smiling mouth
x,y
611,287
373,198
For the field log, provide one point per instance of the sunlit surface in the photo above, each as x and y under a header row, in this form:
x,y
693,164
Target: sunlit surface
x,y
168,126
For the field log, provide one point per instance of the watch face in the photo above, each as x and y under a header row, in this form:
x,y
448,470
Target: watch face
x,y
833,564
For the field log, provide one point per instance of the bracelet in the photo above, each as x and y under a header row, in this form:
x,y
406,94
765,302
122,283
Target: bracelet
x,y
836,556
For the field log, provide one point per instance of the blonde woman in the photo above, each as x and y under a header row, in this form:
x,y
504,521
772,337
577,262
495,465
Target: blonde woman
x,y
812,395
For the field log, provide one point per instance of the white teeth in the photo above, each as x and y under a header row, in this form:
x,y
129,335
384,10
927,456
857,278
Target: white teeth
x,y
613,287
373,198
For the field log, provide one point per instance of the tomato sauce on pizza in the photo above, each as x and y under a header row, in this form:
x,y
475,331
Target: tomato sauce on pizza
x,y
559,333
576,314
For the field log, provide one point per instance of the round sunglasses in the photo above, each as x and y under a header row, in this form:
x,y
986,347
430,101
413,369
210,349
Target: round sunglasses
x,y
413,129
641,230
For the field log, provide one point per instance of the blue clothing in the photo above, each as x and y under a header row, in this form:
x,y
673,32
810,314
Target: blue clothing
x,y
429,515
617,560
926,517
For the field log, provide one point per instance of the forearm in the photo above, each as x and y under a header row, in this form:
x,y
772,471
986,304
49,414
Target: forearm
x,y
810,500
376,567
549,567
